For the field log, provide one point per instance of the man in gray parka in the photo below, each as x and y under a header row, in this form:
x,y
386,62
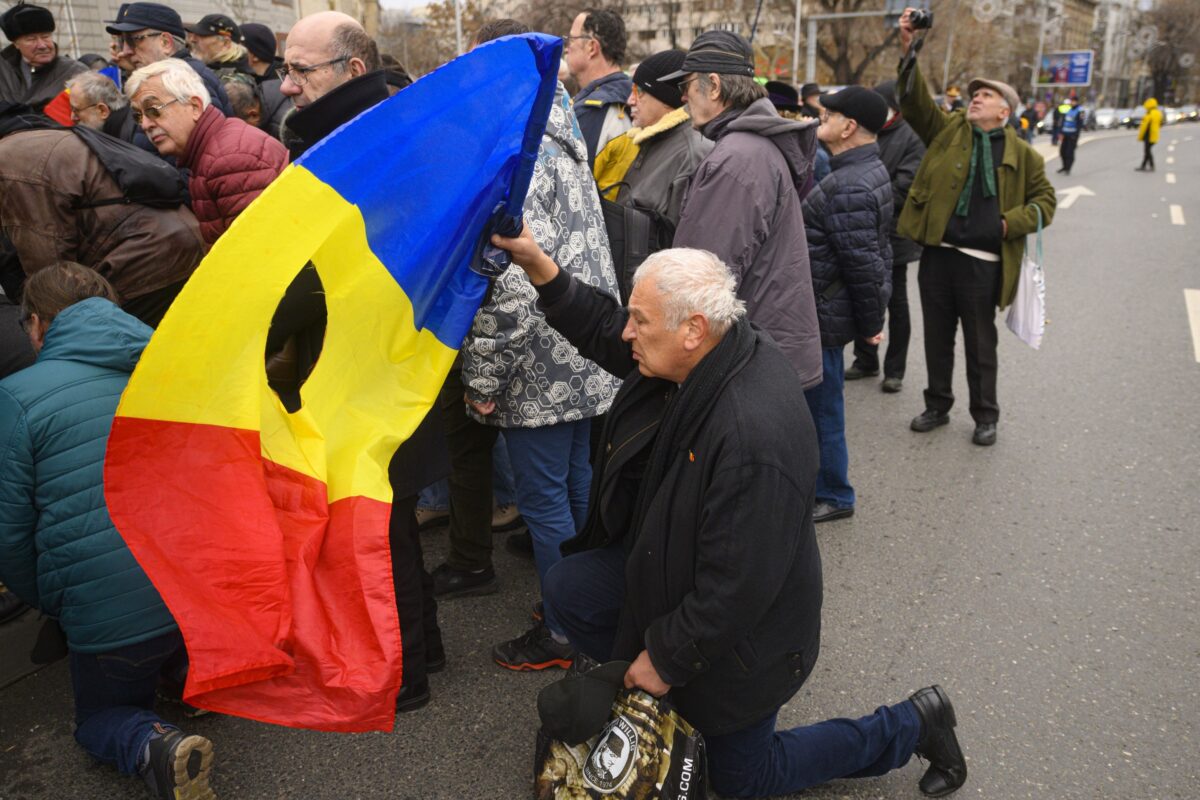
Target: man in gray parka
x,y
744,200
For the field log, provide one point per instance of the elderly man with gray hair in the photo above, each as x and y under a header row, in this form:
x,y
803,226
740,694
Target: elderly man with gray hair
x,y
698,562
977,194
230,162
97,103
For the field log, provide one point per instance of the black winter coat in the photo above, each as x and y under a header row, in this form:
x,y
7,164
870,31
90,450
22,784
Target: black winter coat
x,y
901,151
723,578
848,220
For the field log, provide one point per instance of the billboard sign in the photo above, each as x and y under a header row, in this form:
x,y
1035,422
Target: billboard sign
x,y
1067,68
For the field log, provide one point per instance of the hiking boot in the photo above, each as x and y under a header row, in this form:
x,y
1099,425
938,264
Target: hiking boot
x,y
929,419
449,582
177,765
430,518
938,744
506,518
533,650
892,385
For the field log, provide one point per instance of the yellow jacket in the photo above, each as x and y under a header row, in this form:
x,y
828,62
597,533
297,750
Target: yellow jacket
x,y
614,160
1151,123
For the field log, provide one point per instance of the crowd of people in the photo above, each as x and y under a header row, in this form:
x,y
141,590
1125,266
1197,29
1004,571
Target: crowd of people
x,y
651,400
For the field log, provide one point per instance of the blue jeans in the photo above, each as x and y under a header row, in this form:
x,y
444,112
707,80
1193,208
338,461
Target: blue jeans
x,y
552,474
827,404
582,597
114,697
436,496
760,761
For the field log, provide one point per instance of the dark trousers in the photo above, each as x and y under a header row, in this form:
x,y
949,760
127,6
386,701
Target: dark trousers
x,y
419,631
470,480
1147,155
956,287
583,594
114,697
1067,151
866,355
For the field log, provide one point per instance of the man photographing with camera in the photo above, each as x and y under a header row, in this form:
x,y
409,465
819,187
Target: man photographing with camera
x,y
971,204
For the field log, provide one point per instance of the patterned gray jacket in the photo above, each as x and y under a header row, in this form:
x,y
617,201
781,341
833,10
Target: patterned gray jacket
x,y
512,356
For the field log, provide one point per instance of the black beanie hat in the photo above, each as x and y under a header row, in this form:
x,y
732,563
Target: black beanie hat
x,y
646,76
259,40
23,19
887,90
860,104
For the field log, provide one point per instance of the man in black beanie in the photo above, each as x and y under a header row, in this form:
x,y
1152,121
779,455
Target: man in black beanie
x,y
31,70
650,167
847,216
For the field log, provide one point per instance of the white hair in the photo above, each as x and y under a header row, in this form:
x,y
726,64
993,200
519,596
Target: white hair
x,y
693,282
178,79
97,88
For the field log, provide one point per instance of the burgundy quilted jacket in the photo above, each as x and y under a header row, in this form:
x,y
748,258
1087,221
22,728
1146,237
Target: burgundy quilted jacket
x,y
231,163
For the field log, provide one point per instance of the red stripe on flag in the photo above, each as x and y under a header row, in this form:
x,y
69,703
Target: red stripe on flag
x,y
59,109
285,601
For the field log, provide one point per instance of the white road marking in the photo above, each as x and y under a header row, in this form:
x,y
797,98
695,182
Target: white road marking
x,y
1170,177
1171,148
1177,215
1191,297
1069,196
1170,159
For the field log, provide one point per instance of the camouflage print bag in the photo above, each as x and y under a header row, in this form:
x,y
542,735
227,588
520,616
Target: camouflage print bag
x,y
645,752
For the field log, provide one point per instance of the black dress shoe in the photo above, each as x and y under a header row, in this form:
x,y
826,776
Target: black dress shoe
x,y
857,371
929,419
938,744
985,434
435,657
412,696
824,512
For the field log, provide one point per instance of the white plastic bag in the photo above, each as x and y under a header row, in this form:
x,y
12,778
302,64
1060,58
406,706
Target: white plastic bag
x,y
1027,314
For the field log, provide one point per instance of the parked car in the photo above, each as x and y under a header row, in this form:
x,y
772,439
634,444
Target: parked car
x,y
1191,113
1171,115
1106,119
1134,119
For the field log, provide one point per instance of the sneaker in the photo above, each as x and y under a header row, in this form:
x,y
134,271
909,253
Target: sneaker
x,y
520,544
891,385
533,650
826,512
506,518
177,766
857,371
430,518
449,582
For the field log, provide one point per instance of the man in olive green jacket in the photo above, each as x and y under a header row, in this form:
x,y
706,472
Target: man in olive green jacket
x,y
971,207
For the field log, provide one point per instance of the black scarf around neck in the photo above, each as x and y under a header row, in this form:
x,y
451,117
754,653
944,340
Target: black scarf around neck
x,y
687,408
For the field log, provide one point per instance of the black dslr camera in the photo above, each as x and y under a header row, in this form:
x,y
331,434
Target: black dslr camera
x,y
921,19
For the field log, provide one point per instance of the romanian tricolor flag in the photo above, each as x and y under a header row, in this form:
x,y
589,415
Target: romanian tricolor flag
x,y
264,531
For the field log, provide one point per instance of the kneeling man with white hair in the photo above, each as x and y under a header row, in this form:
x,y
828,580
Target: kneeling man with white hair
x,y
698,562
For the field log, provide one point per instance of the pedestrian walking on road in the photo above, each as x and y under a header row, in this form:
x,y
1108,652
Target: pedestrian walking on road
x,y
1148,134
971,206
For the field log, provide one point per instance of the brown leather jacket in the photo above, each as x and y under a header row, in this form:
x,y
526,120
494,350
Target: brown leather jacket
x,y
46,174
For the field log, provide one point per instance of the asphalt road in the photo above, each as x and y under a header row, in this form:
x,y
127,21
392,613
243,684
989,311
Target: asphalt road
x,y
1049,582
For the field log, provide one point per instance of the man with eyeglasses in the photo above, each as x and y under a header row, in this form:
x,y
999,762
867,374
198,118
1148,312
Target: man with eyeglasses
x,y
332,72
744,200
151,32
594,50
31,70
97,103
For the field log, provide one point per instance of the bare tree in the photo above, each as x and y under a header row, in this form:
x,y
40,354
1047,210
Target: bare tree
x,y
1177,46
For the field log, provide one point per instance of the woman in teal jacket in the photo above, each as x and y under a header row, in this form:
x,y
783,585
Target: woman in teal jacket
x,y
59,551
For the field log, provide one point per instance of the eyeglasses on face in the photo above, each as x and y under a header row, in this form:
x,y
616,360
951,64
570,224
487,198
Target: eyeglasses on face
x,y
131,40
153,112
683,85
299,75
580,38
75,111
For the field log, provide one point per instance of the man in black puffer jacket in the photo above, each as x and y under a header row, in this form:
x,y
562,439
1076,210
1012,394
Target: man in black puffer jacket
x,y
847,218
901,151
